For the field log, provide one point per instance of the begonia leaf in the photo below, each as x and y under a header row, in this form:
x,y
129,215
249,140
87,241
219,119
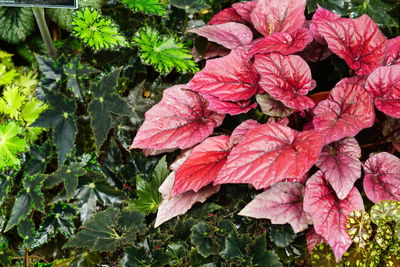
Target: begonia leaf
x,y
282,203
241,130
244,9
270,16
230,78
286,78
226,15
393,52
270,153
358,227
329,213
282,235
384,236
382,177
180,120
385,211
322,255
384,84
201,237
341,165
347,111
272,107
313,239
203,165
369,255
358,41
228,107
321,14
232,35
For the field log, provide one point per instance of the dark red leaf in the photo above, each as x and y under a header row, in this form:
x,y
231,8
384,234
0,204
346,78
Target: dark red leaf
x,y
269,154
272,107
240,131
347,111
232,35
313,239
286,78
341,165
382,177
358,41
270,16
329,213
384,85
282,203
180,120
315,52
226,15
229,107
393,53
203,165
244,9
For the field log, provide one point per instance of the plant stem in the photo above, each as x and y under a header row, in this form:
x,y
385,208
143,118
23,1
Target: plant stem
x,y
44,31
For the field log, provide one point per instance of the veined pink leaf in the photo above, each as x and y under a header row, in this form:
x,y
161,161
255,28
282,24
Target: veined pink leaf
x,y
384,85
272,107
228,107
283,121
179,161
232,35
321,14
226,15
382,177
347,111
230,78
282,43
329,214
393,52
171,207
286,78
203,165
341,165
180,120
240,131
313,239
269,154
358,41
244,9
270,16
282,203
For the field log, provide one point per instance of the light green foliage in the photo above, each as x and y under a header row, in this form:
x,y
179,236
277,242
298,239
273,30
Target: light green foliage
x,y
150,7
96,30
11,144
16,24
163,52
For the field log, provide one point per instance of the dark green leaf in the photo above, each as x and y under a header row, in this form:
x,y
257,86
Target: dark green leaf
x,y
39,155
322,255
26,230
262,257
282,235
6,254
6,182
85,259
235,246
16,24
51,72
202,238
139,103
332,5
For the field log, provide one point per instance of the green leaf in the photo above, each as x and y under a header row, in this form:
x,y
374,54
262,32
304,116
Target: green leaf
x,y
52,72
26,230
262,257
12,101
369,255
29,197
109,230
358,227
201,237
139,103
336,6
163,52
322,255
10,144
6,182
150,7
32,109
392,258
385,211
282,235
190,6
139,256
39,155
104,103
6,254
96,31
59,220
384,236
16,24
235,246
61,117
67,174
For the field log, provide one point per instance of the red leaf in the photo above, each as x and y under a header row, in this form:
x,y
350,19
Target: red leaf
x,y
329,214
203,165
382,177
180,120
230,78
171,207
321,14
393,53
286,78
244,9
315,52
226,15
341,165
384,85
229,107
240,131
358,41
269,154
347,111
282,43
270,16
232,35
282,203
313,239
272,107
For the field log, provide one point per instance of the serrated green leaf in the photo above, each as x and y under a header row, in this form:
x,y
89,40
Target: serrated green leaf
x,y
150,7
29,197
282,235
385,211
358,227
51,70
16,24
190,6
38,157
12,101
61,117
235,246
201,237
26,230
104,103
10,144
32,109
109,230
163,52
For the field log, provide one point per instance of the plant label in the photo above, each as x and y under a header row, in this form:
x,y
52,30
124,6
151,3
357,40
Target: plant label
x,y
41,3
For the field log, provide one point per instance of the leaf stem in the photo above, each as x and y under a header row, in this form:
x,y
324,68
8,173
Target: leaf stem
x,y
44,31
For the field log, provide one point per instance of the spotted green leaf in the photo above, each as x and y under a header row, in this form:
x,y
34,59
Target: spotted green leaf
x,y
384,236
322,255
358,227
385,211
356,256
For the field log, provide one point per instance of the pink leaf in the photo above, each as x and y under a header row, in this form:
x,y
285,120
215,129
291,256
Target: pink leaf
x,y
358,41
315,52
244,9
171,207
329,214
240,131
269,154
384,85
212,50
180,120
270,16
282,203
272,107
313,239
232,35
341,165
226,15
286,78
321,14
282,43
203,165
347,111
230,78
228,107
382,177
393,52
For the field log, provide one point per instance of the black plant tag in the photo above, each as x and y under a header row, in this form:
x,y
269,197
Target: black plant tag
x,y
41,3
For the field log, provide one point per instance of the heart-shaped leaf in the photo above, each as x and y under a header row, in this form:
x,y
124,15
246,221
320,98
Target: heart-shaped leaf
x,y
272,107
244,9
226,15
358,227
385,211
393,52
240,131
